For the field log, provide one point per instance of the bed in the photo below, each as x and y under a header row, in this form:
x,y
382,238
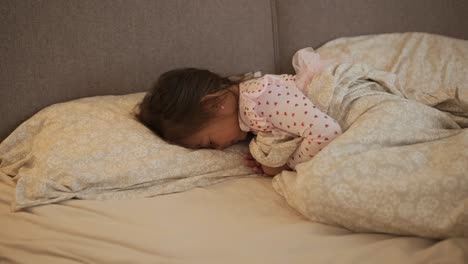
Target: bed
x,y
109,191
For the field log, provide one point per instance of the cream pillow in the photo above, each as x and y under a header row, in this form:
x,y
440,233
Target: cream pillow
x,y
94,148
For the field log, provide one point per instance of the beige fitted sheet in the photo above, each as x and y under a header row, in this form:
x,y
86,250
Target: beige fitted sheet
x,y
237,221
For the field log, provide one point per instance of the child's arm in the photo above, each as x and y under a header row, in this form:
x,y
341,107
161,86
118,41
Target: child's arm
x,y
288,109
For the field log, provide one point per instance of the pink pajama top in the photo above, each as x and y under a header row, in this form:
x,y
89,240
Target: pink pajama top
x,y
274,104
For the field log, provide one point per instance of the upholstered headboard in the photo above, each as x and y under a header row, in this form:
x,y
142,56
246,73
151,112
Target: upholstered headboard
x,y
53,51
311,23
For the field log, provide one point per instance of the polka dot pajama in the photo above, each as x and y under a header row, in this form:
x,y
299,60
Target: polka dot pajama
x,y
275,103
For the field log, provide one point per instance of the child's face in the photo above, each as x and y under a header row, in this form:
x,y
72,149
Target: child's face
x,y
221,132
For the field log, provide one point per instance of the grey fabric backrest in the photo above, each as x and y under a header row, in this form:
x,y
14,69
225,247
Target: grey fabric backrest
x,y
307,23
53,51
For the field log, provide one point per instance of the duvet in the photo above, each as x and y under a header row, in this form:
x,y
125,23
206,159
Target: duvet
x,y
401,165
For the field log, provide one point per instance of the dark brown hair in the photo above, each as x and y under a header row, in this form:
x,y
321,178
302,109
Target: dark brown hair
x,y
174,109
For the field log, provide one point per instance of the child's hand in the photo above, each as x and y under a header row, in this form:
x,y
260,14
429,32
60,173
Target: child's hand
x,y
259,168
249,161
272,171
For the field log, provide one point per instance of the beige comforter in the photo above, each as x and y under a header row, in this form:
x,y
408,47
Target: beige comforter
x,y
401,167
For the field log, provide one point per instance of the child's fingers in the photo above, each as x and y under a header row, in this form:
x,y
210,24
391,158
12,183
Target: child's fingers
x,y
258,170
248,156
249,163
252,163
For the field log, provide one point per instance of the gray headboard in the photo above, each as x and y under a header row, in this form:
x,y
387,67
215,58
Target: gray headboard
x,y
53,51
311,23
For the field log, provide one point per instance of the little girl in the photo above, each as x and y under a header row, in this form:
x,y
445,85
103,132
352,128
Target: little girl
x,y
196,108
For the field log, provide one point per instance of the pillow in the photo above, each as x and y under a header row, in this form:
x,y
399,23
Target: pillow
x,y
94,148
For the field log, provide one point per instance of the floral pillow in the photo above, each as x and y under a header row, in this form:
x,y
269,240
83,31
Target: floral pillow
x,y
94,148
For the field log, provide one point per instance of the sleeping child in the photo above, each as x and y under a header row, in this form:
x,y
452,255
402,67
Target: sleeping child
x,y
196,108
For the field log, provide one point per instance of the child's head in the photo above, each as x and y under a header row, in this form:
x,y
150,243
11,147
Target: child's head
x,y
194,108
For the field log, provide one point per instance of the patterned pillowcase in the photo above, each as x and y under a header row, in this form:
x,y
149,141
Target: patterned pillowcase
x,y
94,148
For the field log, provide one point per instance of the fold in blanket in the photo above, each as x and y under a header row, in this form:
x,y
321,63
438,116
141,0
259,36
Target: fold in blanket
x,y
400,167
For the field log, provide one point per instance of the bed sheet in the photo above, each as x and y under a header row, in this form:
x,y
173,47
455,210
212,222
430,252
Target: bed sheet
x,y
238,221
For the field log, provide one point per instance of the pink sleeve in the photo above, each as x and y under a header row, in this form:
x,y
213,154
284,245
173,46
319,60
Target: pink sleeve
x,y
289,110
307,63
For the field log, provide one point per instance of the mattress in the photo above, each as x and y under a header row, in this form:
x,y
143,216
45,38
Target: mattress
x,y
237,221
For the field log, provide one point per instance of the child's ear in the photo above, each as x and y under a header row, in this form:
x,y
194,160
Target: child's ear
x,y
213,101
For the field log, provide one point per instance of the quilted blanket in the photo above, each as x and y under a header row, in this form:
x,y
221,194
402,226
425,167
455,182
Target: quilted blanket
x,y
400,167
